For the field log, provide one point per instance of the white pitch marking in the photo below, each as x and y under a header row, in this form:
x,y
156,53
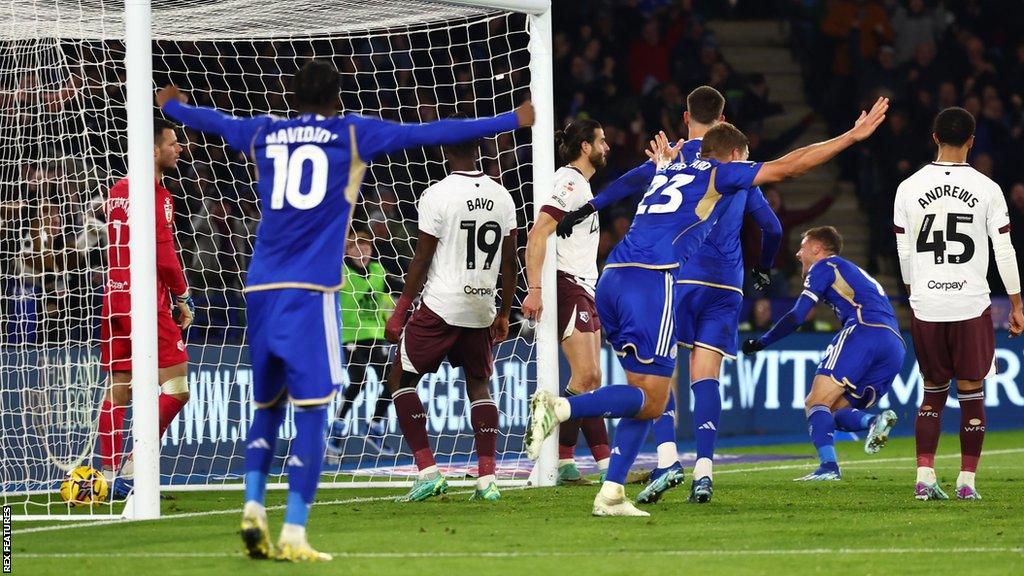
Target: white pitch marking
x,y
556,553
861,462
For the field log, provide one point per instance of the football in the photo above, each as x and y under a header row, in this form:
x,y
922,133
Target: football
x,y
84,485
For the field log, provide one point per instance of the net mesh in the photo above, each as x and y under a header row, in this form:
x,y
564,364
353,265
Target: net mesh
x,y
63,144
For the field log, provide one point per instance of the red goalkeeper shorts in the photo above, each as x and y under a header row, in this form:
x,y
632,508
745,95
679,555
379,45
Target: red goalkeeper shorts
x,y
116,343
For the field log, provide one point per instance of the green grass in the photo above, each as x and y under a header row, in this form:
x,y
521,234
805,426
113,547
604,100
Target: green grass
x,y
760,522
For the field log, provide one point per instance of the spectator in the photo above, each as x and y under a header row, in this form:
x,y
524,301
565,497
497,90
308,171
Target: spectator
x,y
914,25
760,317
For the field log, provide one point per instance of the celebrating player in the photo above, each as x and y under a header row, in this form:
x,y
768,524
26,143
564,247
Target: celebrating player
x,y
672,221
116,328
583,146
310,169
366,303
709,296
467,233
950,211
861,362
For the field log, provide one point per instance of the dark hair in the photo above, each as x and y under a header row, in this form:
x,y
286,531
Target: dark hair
x,y
574,135
705,105
316,85
954,126
722,139
466,149
159,125
828,236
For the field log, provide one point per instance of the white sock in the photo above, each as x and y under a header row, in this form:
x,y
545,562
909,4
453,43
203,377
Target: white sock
x,y
602,464
562,409
965,479
429,472
484,481
613,491
667,454
926,475
293,534
702,468
564,461
254,508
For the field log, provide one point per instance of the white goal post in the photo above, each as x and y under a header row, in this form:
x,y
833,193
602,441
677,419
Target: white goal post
x,y
77,79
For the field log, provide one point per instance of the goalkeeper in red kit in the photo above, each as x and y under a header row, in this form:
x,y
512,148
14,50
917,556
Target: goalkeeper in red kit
x,y
115,327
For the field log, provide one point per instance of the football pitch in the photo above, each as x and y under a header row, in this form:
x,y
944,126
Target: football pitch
x,y
760,522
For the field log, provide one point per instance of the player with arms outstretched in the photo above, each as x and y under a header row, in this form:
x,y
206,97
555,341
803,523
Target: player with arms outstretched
x,y
944,216
116,328
310,170
865,356
709,297
467,234
583,146
635,292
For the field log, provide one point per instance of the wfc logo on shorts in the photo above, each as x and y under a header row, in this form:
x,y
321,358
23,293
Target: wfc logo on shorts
x,y
946,286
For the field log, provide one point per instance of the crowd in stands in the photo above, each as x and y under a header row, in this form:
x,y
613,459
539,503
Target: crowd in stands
x,y
627,63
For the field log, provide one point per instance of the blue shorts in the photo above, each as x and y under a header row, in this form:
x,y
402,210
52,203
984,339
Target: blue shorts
x,y
635,307
294,346
864,360
707,317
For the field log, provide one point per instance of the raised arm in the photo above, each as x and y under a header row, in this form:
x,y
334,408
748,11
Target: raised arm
x,y
238,132
802,160
378,136
771,239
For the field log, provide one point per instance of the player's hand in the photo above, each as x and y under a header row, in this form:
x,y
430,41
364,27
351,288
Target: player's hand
x,y
499,328
186,309
168,93
395,324
1016,322
868,121
661,152
526,114
532,305
762,278
570,220
752,346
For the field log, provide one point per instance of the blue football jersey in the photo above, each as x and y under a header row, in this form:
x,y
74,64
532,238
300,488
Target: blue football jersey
x,y
719,260
678,210
310,170
853,295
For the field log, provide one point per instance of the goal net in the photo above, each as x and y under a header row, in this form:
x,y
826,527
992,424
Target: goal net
x,y
63,144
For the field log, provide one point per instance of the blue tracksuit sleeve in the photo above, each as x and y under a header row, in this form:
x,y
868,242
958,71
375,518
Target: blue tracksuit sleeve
x,y
376,136
771,235
237,132
630,183
790,321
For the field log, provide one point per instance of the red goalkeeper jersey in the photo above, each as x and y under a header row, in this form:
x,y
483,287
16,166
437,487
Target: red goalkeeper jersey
x,y
170,278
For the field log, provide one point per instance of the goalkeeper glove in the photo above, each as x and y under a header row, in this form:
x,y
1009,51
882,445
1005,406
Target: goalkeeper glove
x,y
185,307
762,278
395,324
187,300
570,220
752,346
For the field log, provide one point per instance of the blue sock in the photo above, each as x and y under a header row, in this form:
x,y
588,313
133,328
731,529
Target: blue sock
x,y
616,401
259,450
822,428
707,409
852,420
629,437
305,462
665,425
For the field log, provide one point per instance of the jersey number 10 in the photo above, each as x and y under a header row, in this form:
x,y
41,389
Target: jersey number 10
x,y
288,176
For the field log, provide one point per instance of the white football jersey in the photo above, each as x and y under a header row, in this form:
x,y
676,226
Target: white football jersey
x,y
470,215
577,254
948,212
